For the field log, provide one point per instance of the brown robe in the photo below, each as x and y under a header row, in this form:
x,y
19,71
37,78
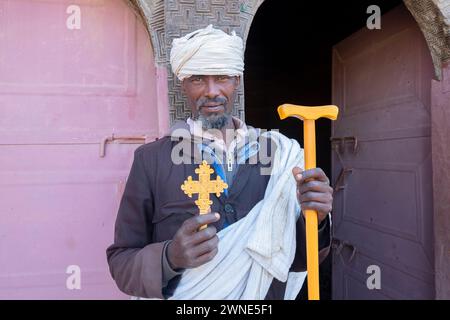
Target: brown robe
x,y
153,208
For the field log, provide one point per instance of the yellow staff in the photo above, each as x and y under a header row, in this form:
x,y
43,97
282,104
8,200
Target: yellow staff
x,y
309,115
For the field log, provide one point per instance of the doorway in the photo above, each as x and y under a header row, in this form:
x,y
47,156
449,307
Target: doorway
x,y
289,60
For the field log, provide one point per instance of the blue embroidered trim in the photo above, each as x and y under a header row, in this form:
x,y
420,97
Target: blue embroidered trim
x,y
245,153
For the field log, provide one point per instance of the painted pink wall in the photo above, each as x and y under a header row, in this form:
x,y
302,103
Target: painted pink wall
x,y
62,91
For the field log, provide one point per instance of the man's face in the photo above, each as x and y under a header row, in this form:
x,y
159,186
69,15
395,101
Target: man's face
x,y
211,98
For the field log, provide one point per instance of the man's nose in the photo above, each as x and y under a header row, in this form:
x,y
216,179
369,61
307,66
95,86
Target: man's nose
x,y
212,88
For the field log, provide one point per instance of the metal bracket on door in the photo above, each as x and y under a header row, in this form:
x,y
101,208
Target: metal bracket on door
x,y
124,140
339,143
338,245
340,182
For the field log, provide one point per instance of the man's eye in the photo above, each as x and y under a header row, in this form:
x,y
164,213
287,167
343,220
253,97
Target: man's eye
x,y
196,79
223,78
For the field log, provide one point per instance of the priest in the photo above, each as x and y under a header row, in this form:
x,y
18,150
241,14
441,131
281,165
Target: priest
x,y
251,245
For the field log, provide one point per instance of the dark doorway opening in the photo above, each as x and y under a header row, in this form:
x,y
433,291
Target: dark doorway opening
x,y
288,59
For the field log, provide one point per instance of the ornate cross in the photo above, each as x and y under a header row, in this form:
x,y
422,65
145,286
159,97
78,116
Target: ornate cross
x,y
204,186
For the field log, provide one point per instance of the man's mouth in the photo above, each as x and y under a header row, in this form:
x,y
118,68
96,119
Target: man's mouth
x,y
212,107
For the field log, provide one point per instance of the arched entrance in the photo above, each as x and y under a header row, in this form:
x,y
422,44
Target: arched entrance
x,y
296,53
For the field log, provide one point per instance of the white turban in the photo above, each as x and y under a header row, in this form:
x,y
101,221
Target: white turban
x,y
207,51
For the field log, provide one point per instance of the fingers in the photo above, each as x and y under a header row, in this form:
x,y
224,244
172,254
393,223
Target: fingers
x,y
311,180
314,191
311,196
310,174
207,256
319,207
191,225
205,247
296,171
191,247
203,235
201,253
199,248
315,186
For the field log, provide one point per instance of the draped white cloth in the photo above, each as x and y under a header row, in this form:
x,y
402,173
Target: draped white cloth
x,y
207,51
258,247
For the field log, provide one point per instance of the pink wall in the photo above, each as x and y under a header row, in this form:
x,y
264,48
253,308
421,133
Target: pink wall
x,y
63,90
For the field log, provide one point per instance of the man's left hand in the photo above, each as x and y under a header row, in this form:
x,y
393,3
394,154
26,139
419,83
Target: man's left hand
x,y
314,191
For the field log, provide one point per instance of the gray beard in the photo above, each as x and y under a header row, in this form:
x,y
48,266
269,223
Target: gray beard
x,y
214,121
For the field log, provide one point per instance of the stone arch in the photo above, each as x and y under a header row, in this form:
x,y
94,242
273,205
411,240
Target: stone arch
x,y
248,10
433,18
152,15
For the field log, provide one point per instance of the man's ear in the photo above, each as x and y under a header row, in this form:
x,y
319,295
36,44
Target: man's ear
x,y
183,86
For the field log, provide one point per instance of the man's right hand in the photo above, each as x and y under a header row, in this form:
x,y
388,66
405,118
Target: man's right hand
x,y
190,247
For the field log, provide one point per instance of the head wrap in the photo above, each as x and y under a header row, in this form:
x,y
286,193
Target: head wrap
x,y
207,51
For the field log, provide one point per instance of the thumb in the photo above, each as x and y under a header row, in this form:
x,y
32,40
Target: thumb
x,y
297,171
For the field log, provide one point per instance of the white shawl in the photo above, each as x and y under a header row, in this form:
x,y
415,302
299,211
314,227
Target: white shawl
x,y
258,247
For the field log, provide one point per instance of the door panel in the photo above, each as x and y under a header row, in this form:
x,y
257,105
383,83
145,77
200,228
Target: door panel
x,y
383,215
63,94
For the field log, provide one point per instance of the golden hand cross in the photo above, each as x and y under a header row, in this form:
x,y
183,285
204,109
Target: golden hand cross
x,y
203,187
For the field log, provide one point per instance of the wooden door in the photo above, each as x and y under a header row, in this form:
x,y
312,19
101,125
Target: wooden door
x,y
383,210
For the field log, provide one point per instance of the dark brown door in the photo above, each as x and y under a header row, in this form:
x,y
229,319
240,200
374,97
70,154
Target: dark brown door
x,y
382,163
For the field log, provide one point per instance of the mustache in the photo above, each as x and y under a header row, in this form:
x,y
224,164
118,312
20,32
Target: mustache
x,y
217,100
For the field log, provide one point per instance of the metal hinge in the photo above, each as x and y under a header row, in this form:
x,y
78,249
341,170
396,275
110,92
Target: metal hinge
x,y
340,182
338,245
124,139
338,144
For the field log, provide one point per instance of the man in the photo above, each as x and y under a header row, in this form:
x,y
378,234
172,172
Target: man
x,y
158,235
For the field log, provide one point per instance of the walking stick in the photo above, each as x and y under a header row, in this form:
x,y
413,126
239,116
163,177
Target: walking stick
x,y
309,115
